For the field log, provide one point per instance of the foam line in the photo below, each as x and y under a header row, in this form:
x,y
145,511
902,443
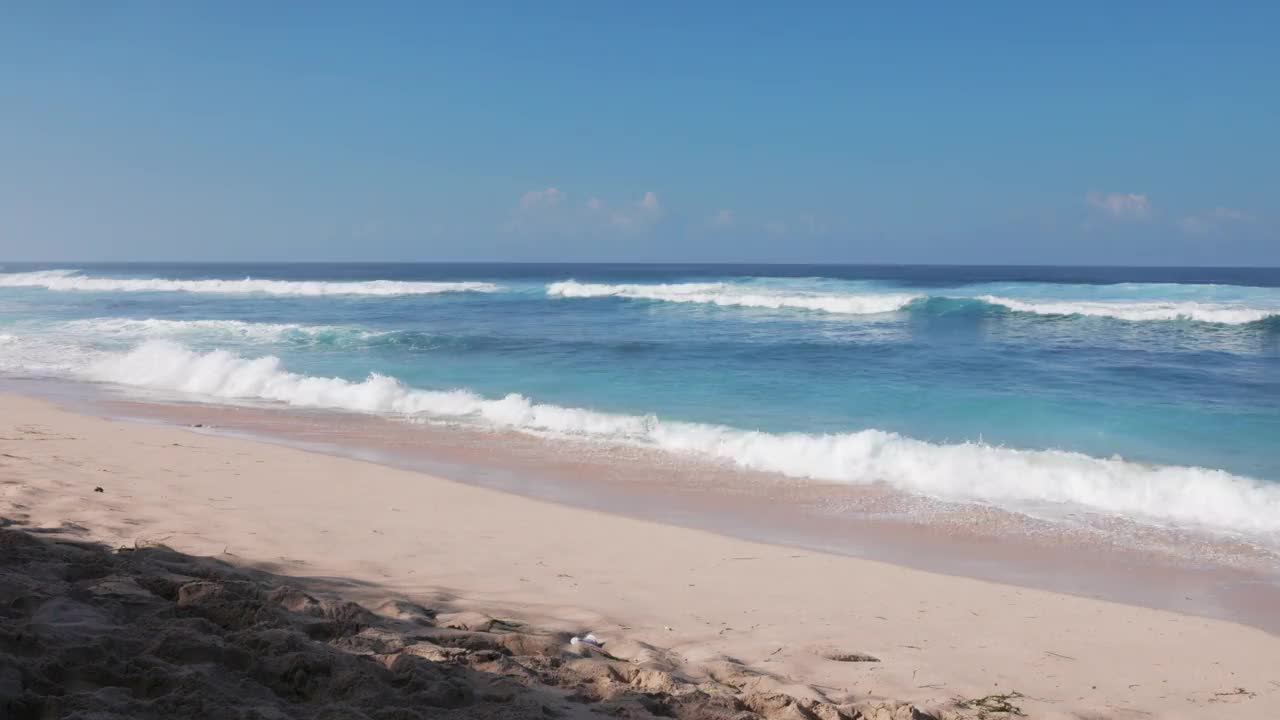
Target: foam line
x,y
965,472
727,294
71,280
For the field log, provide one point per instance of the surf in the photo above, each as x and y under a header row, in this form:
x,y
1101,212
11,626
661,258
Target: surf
x,y
733,295
747,295
1215,313
968,472
73,281
216,329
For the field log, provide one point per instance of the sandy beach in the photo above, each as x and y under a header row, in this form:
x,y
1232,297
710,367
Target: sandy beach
x,y
770,631
568,361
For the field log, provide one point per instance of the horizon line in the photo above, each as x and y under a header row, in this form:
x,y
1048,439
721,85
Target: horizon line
x,y
717,263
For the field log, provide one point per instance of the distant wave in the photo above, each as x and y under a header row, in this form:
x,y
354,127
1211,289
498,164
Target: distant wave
x,y
343,337
72,280
728,294
968,472
871,303
232,329
1224,314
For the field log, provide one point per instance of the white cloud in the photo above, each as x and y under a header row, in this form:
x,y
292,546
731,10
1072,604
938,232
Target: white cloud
x,y
1231,215
722,219
643,213
1123,206
1213,220
549,198
1195,225
550,210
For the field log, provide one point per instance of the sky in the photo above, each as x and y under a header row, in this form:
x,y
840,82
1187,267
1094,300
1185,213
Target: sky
x,y
1116,133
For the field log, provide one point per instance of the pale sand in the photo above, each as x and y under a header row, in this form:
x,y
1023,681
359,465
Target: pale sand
x,y
705,597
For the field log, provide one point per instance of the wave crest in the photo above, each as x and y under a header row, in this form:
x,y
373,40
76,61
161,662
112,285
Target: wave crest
x,y
72,280
873,303
727,294
1223,314
967,472
232,329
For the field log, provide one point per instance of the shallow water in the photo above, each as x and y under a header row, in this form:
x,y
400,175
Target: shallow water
x,y
1151,397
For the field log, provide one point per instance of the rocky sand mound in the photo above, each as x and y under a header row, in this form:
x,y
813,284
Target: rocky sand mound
x,y
91,633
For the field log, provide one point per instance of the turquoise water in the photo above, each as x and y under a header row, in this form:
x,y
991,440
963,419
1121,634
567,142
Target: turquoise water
x,y
1148,393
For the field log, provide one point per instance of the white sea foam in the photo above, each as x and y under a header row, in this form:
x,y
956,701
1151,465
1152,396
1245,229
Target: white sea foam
x,y
728,294
38,356
233,329
72,280
969,472
870,303
1222,313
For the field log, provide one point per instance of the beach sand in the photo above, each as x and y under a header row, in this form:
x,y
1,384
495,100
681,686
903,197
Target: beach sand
x,y
701,625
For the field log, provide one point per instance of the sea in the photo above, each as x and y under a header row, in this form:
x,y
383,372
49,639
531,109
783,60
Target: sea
x,y
1148,396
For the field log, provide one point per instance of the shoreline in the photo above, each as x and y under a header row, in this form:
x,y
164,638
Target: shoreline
x,y
1180,571
701,595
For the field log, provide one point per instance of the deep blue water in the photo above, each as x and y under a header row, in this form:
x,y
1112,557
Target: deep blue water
x,y
1164,369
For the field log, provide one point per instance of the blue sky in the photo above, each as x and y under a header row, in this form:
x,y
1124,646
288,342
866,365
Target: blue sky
x,y
1084,133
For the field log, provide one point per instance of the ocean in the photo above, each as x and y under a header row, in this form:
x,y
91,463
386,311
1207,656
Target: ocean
x,y
1147,394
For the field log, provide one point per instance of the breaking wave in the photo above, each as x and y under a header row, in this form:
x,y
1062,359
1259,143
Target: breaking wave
x,y
222,329
872,303
72,280
727,294
965,472
1220,313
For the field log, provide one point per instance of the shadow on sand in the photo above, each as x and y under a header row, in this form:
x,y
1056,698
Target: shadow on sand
x,y
91,632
